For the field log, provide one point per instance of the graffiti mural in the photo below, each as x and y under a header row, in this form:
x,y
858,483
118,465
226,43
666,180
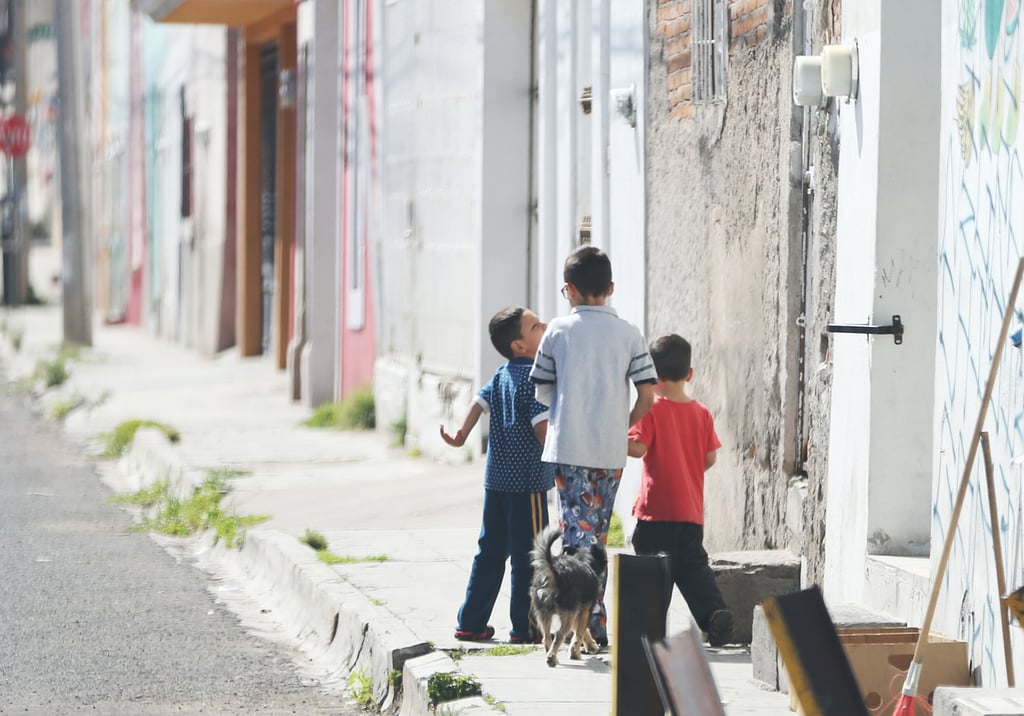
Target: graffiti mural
x,y
982,222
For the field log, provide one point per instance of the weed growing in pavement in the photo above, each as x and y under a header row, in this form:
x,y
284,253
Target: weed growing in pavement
x,y
63,406
117,441
328,557
509,650
315,540
360,686
377,602
318,543
69,351
395,680
159,491
202,510
223,473
51,373
494,703
446,686
16,336
399,428
355,411
615,535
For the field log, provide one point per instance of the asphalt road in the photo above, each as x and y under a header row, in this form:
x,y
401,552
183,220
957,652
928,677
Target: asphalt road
x,y
96,618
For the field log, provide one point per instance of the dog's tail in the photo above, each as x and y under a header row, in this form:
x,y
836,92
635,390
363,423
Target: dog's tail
x,y
541,555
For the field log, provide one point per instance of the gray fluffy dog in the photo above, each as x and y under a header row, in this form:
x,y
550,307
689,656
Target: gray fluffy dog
x,y
566,584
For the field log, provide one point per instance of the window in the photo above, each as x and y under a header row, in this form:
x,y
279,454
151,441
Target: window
x,y
710,43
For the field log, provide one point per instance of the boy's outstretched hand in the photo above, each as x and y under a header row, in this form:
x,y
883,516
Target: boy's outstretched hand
x,y
459,438
456,440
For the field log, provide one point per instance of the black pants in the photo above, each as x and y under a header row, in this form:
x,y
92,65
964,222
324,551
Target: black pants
x,y
683,542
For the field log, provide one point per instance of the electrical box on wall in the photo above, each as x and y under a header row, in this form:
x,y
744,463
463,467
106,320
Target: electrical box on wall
x,y
833,73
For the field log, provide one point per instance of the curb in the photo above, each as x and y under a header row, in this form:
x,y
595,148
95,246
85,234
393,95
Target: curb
x,y
338,627
335,625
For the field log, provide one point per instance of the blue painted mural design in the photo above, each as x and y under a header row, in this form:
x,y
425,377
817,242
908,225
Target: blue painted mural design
x,y
983,209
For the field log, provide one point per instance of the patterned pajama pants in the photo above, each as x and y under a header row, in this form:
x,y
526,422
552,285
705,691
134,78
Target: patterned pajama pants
x,y
586,496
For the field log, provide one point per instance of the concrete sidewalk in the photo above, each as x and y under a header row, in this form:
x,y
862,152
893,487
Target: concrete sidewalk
x,y
366,497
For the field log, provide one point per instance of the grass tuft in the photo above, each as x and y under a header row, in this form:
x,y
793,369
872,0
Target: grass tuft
x,y
446,686
395,680
202,510
328,557
51,373
615,535
117,441
360,686
315,540
63,407
356,411
509,650
318,543
399,428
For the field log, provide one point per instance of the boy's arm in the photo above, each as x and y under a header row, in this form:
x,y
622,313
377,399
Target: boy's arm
x,y
710,459
644,401
636,449
459,438
540,431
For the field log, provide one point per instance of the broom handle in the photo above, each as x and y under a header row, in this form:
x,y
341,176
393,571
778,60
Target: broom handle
x,y
926,627
997,552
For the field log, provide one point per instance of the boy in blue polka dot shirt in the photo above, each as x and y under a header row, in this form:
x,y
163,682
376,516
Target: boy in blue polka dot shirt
x,y
515,483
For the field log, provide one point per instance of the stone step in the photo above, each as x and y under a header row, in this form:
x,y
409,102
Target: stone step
x,y
767,667
953,701
746,578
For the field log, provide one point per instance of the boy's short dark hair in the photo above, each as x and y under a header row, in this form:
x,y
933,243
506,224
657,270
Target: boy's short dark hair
x,y
505,327
671,355
589,270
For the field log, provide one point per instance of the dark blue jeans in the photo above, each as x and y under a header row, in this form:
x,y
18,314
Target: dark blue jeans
x,y
684,544
511,522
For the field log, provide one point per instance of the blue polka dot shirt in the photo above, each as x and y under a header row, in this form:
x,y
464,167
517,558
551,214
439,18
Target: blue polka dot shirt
x,y
513,453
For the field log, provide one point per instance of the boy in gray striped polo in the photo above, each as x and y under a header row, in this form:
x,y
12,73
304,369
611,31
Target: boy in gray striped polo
x,y
583,370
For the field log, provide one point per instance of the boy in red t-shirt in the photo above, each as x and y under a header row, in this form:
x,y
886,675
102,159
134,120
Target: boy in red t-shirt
x,y
677,442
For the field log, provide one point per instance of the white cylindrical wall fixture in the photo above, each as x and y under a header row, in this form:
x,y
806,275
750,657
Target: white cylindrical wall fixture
x,y
807,81
839,70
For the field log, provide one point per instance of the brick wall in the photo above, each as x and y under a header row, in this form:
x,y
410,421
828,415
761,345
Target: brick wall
x,y
750,22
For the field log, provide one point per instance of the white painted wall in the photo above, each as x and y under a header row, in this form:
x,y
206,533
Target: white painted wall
x,y
172,73
849,438
320,353
455,140
881,437
503,222
208,93
624,183
458,146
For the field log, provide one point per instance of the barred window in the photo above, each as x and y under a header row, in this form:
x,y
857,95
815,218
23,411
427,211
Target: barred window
x,y
710,44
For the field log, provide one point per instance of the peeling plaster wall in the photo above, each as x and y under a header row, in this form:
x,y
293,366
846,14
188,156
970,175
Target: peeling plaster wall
x,y
723,272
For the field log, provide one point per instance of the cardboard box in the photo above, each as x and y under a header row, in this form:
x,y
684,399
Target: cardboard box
x,y
880,657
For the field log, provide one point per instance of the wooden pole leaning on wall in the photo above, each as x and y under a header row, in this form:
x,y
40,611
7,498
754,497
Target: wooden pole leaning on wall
x,y
997,551
905,705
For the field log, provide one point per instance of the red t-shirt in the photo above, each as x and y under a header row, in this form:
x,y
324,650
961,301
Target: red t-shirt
x,y
678,437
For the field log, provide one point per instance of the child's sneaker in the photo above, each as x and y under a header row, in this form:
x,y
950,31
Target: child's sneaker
x,y
529,639
720,627
466,635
